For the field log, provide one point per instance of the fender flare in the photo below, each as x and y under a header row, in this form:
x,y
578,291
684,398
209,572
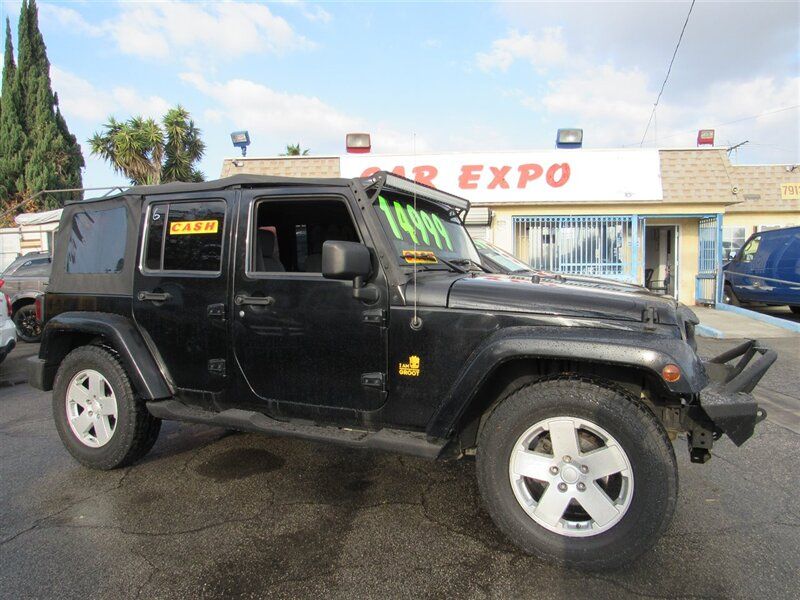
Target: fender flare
x,y
147,378
29,295
644,351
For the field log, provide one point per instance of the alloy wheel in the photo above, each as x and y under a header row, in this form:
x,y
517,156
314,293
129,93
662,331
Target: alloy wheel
x,y
571,476
91,408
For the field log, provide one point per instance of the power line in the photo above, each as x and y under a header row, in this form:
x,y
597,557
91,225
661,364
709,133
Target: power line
x,y
669,70
758,116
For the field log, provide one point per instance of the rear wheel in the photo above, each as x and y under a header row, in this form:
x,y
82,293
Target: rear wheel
x,y
28,326
577,473
99,418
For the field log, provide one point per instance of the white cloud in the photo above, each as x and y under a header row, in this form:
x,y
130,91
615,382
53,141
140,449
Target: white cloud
x,y
68,18
312,12
607,81
79,99
282,116
613,106
207,32
542,51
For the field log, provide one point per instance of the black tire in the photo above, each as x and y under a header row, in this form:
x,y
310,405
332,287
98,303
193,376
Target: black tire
x,y
29,329
730,297
136,430
638,432
795,309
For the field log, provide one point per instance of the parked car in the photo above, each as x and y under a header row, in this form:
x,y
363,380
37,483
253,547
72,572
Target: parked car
x,y
352,311
24,280
496,260
8,332
766,269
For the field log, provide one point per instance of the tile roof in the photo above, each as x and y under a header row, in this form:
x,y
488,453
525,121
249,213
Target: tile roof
x,y
696,176
706,175
760,188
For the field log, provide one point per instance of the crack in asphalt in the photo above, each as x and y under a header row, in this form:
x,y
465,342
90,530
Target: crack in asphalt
x,y
643,594
40,521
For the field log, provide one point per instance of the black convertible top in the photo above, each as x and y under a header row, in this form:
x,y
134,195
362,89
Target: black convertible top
x,y
243,180
381,178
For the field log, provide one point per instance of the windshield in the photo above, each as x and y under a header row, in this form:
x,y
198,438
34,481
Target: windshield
x,y
437,233
502,258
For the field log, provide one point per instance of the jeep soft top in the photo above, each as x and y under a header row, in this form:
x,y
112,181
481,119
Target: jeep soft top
x,y
355,311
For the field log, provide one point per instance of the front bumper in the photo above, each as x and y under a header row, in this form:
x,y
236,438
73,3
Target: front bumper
x,y
727,400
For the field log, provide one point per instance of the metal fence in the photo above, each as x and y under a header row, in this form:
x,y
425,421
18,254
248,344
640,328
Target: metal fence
x,y
602,246
709,260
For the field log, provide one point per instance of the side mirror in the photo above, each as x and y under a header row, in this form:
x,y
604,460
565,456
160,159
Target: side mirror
x,y
345,260
350,260
731,254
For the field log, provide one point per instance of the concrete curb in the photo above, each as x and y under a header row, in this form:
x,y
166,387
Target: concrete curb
x,y
768,319
708,331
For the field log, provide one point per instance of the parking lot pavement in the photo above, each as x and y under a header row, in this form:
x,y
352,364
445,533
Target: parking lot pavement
x,y
211,514
14,369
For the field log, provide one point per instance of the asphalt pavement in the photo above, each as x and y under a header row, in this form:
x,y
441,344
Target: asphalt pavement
x,y
210,514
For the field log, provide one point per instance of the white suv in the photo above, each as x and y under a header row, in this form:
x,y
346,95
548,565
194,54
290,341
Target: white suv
x,y
8,331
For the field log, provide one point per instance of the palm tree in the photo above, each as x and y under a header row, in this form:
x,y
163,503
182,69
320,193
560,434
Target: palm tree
x,y
294,150
147,154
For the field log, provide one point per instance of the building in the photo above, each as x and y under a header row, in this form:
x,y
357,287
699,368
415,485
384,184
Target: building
x,y
664,218
33,233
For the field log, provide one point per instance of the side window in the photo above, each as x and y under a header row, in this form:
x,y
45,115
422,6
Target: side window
x,y
750,249
185,236
97,241
38,267
288,234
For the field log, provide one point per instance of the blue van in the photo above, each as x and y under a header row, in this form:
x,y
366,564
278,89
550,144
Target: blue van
x,y
766,269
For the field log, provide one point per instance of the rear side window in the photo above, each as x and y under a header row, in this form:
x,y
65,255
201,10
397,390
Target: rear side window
x,y
185,236
38,267
97,241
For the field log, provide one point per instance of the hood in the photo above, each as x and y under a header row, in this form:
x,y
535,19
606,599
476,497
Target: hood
x,y
573,296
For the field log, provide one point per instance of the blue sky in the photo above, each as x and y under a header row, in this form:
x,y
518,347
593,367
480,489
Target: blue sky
x,y
452,76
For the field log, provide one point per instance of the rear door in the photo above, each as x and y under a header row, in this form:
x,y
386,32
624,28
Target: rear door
x,y
180,289
303,342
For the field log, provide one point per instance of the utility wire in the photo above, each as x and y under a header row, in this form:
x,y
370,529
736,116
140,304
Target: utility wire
x,y
669,70
758,116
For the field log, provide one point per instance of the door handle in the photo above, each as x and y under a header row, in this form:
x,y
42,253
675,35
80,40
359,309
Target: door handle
x,y
154,296
255,300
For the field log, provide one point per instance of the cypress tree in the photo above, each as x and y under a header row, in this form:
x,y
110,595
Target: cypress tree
x,y
12,132
52,155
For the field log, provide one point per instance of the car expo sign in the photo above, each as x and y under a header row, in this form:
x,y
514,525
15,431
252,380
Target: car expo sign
x,y
536,176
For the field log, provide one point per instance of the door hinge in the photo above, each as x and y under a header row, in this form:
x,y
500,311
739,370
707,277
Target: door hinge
x,y
375,316
216,366
216,311
649,318
375,380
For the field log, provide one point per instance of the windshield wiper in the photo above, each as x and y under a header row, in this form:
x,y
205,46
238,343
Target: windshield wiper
x,y
469,262
453,265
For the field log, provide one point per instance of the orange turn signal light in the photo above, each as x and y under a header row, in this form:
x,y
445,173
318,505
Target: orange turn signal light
x,y
671,373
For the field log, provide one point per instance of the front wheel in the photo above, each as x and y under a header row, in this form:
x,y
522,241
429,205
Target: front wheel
x,y
729,297
578,473
99,418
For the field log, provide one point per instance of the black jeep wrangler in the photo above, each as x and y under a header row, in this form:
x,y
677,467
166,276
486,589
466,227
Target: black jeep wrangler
x,y
356,312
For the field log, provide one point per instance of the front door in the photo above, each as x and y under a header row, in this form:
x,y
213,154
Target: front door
x,y
746,271
301,340
179,298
